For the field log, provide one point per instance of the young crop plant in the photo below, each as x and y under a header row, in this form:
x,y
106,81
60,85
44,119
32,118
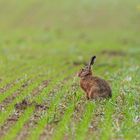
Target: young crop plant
x,y
48,116
16,128
62,126
83,125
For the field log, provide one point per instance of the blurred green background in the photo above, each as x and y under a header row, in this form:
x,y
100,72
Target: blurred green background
x,y
69,29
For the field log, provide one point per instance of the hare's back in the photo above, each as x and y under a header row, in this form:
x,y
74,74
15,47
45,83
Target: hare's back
x,y
101,84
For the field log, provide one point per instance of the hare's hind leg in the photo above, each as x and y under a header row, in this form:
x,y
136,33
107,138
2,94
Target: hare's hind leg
x,y
93,94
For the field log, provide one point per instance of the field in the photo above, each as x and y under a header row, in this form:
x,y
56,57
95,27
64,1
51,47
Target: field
x,y
43,44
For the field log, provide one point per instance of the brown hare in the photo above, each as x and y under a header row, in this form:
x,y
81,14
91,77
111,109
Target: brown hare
x,y
93,86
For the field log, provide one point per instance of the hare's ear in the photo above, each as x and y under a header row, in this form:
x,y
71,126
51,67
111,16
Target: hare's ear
x,y
92,61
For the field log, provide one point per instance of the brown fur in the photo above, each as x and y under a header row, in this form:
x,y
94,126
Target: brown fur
x,y
93,86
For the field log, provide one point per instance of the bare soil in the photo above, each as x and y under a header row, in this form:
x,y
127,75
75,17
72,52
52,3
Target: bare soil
x,y
5,88
10,98
40,108
20,107
11,120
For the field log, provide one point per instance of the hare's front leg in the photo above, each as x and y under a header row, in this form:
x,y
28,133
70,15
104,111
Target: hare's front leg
x,y
87,96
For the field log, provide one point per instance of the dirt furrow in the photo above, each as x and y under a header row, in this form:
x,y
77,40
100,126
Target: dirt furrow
x,y
6,87
9,85
93,130
40,88
33,120
66,101
20,107
12,119
9,99
38,112
51,127
77,116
